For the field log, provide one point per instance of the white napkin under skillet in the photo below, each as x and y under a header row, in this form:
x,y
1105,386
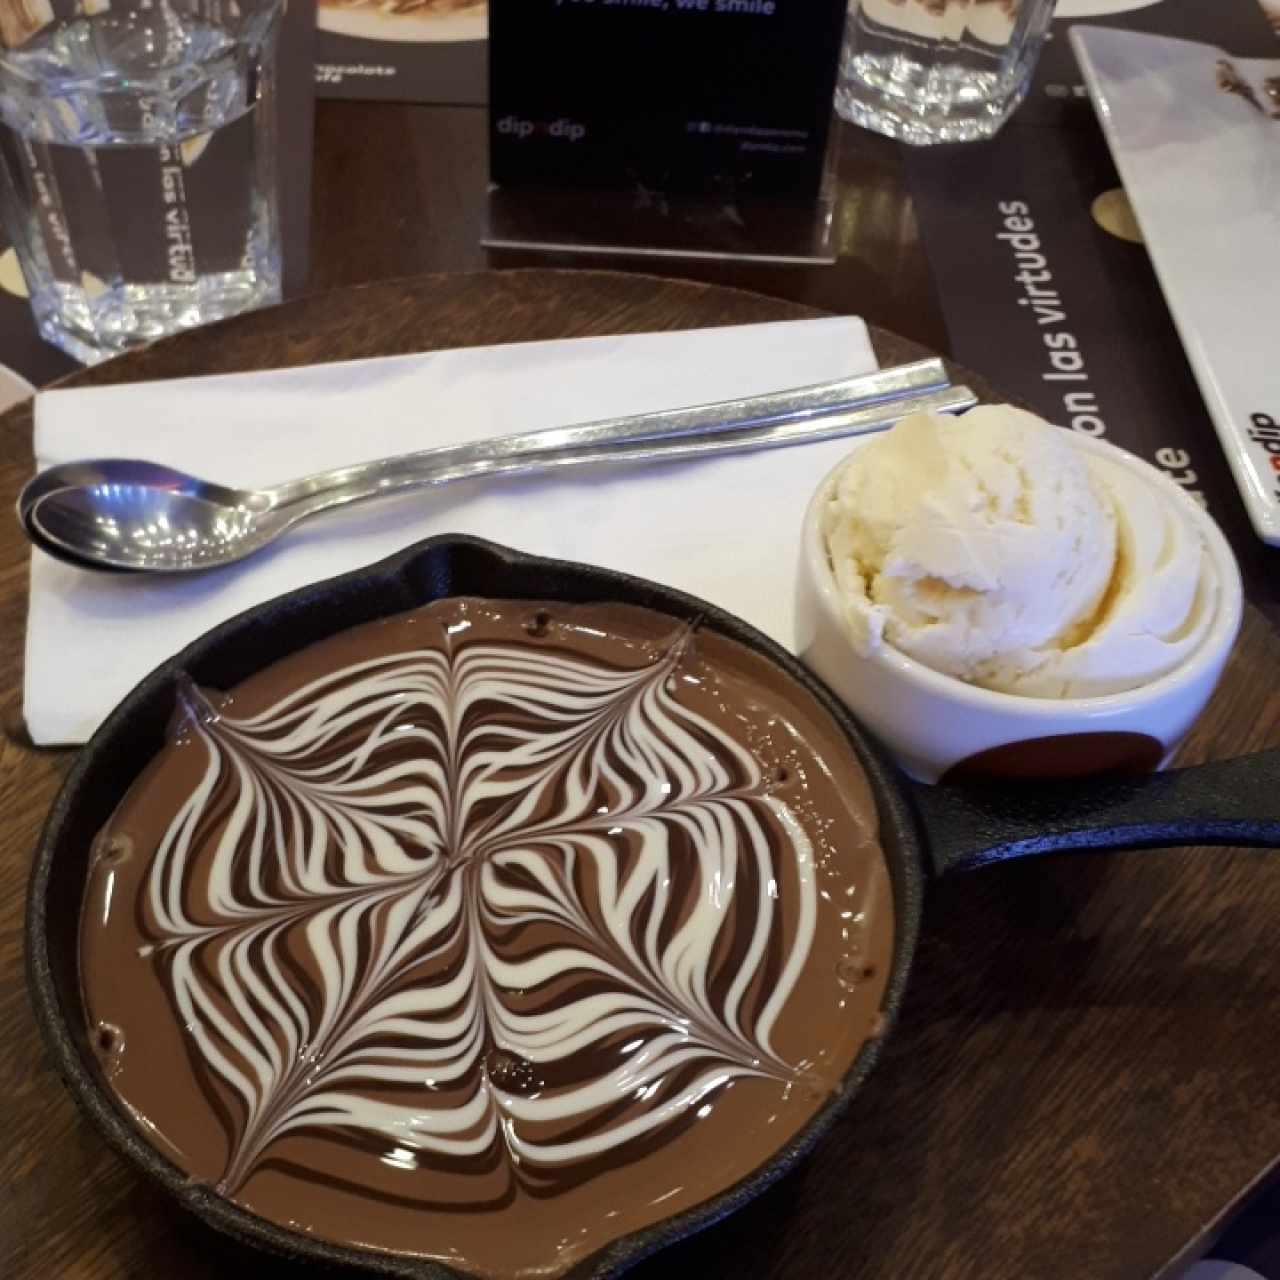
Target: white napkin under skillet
x,y
725,529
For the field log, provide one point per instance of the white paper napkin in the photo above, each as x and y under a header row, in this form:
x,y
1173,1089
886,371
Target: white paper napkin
x,y
725,529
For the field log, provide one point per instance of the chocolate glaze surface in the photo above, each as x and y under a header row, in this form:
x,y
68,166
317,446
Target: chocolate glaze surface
x,y
491,932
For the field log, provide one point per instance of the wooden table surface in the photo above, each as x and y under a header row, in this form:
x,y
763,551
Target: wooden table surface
x,y
1083,1078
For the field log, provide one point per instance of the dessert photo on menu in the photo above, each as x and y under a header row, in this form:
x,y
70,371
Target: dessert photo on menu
x,y
1246,27
403,50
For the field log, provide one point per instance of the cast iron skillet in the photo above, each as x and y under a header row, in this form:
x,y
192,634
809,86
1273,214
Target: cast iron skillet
x,y
925,832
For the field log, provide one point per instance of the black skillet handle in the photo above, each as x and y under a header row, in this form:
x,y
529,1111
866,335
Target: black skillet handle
x,y
1232,802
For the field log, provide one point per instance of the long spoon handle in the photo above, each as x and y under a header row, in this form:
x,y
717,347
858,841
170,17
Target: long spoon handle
x,y
825,411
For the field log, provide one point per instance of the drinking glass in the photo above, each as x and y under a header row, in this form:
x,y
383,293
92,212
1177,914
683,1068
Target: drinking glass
x,y
138,163
931,71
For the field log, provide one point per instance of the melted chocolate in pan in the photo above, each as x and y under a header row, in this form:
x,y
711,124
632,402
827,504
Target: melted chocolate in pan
x,y
491,932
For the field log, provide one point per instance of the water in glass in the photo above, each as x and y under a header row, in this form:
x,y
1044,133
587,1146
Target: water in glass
x,y
137,164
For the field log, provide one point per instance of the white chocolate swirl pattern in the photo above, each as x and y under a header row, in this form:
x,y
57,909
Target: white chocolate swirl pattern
x,y
491,906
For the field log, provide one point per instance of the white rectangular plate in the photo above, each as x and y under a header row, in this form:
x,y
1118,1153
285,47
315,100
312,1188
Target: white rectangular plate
x,y
1202,170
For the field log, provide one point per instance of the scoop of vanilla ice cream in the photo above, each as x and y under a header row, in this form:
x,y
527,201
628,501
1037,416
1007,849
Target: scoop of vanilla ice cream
x,y
993,549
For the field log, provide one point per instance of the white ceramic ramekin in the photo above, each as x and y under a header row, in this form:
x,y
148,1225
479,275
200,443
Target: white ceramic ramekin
x,y
940,727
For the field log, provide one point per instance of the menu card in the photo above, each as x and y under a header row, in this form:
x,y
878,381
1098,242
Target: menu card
x,y
716,97
22,349
403,50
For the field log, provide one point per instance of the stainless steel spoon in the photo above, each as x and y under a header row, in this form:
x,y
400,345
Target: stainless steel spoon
x,y
119,514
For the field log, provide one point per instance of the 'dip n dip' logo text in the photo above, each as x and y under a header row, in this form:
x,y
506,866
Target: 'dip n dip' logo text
x,y
568,130
1265,430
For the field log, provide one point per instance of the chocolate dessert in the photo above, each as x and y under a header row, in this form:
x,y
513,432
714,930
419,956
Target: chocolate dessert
x,y
491,932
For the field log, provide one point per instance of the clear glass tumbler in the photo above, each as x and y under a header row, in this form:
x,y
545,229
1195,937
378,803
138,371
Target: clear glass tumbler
x,y
138,163
931,71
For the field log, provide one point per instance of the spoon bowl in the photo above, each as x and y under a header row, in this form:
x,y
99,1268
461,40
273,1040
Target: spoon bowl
x,y
132,515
